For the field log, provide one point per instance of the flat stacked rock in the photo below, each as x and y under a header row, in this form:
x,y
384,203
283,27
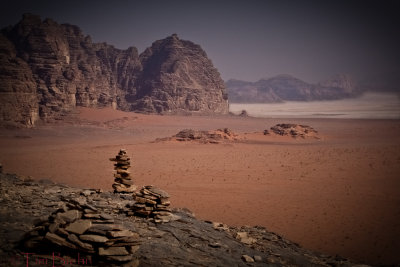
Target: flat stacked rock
x,y
79,227
123,182
153,202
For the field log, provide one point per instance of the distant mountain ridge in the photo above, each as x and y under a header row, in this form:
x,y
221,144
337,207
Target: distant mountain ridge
x,y
47,69
288,88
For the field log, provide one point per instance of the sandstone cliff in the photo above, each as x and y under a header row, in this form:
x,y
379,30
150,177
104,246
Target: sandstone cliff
x,y
289,88
18,89
48,69
177,75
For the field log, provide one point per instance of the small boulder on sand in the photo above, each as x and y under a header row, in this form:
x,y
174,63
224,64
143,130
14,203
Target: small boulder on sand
x,y
244,113
293,130
212,137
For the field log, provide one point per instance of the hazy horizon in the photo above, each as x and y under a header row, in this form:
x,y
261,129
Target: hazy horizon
x,y
367,106
311,40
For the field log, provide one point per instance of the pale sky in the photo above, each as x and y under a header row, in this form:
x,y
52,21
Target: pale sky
x,y
247,40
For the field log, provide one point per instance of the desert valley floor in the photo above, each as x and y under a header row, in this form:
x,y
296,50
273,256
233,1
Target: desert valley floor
x,y
339,194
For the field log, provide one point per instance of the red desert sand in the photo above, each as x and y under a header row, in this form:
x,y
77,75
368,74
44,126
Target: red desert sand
x,y
339,194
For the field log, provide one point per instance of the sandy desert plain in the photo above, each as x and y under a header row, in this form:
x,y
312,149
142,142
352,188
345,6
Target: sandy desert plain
x,y
339,194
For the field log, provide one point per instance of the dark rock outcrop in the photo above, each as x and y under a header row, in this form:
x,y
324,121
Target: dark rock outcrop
x,y
293,130
244,113
90,227
48,69
205,137
287,88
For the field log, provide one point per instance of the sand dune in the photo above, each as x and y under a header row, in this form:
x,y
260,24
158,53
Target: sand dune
x,y
339,194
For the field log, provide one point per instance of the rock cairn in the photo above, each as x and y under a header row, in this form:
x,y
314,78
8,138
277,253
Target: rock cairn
x,y
80,227
152,202
123,182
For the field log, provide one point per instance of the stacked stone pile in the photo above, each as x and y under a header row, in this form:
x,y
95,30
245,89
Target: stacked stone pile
x,y
152,202
80,227
123,182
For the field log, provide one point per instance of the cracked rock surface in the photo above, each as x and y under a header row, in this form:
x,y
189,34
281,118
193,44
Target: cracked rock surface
x,y
85,218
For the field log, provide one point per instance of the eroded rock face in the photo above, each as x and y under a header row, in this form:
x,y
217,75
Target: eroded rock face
x,y
18,95
60,69
178,76
48,69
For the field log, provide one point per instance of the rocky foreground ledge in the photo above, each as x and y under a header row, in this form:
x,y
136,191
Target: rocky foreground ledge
x,y
48,224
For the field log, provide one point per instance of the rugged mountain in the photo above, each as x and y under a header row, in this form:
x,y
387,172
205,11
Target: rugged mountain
x,y
48,69
289,88
248,92
177,75
286,87
67,70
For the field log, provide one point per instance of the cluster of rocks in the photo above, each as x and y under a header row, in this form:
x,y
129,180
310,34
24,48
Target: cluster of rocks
x,y
293,130
122,178
79,226
152,202
184,242
149,202
204,137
